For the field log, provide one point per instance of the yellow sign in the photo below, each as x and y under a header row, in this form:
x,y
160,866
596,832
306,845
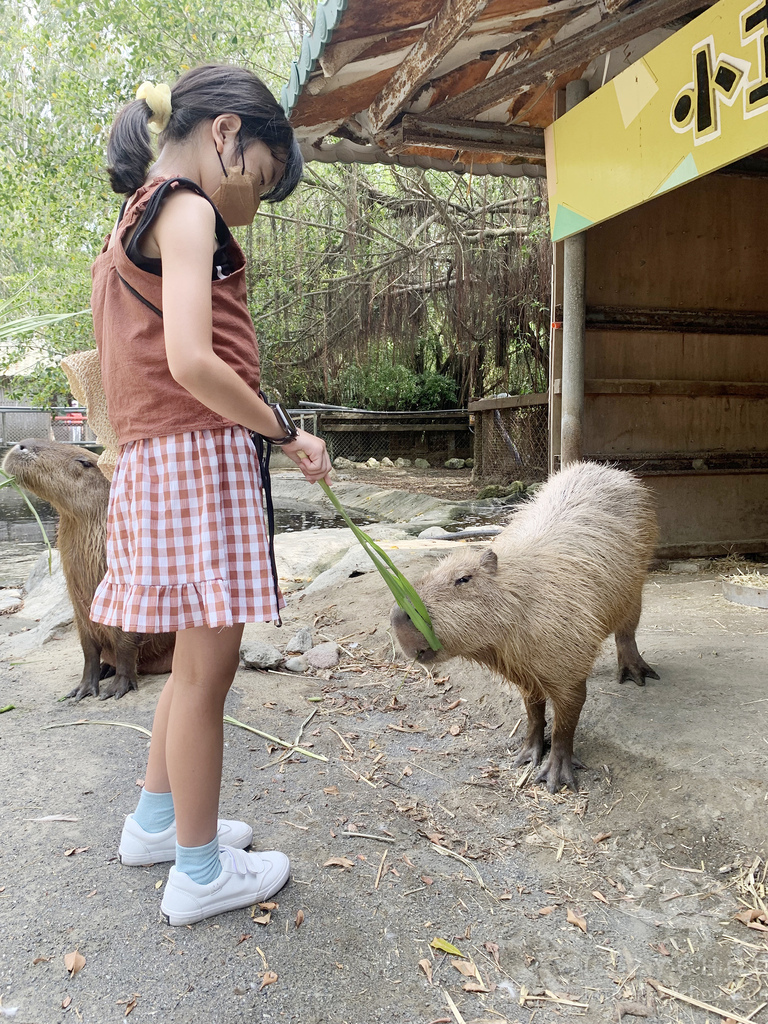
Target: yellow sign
x,y
697,102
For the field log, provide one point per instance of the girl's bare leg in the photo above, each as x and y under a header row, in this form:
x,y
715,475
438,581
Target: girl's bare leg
x,y
187,745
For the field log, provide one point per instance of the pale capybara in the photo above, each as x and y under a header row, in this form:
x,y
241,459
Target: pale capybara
x,y
536,606
68,478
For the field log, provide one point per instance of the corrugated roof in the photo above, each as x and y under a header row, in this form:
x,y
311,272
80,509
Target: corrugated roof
x,y
457,85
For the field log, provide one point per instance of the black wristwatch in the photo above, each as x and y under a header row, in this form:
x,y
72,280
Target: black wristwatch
x,y
283,417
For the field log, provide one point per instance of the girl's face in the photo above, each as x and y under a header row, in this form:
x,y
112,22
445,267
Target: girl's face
x,y
224,142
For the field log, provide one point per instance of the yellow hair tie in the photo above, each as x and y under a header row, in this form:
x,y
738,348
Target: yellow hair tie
x,y
158,99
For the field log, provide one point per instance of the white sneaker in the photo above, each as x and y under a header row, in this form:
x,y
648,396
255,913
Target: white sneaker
x,y
245,879
138,847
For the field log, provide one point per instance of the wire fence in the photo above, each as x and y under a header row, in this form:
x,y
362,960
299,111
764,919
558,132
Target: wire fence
x,y
67,424
511,441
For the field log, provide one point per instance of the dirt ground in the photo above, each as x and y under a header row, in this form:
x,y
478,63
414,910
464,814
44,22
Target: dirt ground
x,y
415,828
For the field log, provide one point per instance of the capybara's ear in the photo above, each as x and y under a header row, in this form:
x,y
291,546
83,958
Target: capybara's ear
x,y
490,560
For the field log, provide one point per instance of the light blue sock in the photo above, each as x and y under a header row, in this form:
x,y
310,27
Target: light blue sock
x,y
201,863
154,811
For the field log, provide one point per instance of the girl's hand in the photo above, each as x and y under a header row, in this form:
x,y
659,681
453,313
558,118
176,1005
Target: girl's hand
x,y
310,455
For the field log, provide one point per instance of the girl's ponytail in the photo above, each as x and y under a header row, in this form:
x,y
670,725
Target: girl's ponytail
x,y
129,150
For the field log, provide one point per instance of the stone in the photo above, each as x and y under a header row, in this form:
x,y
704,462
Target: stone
x,y
533,488
469,463
386,461
373,463
256,654
454,464
10,601
688,565
301,643
433,533
492,491
46,596
324,656
298,664
341,463
421,464
516,487
403,463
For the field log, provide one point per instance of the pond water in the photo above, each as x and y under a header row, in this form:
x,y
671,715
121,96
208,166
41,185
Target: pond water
x,y
18,524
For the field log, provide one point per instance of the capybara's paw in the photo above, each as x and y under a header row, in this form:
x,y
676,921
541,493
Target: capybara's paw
x,y
87,688
557,771
119,686
637,670
531,752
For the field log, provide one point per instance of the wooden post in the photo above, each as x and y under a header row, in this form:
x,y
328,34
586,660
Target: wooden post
x,y
574,313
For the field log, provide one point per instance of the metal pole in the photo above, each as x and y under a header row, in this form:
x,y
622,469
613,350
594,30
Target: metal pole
x,y
574,308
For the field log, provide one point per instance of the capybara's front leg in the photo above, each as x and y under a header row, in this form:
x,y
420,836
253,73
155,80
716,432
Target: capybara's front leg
x,y
124,680
89,684
533,748
557,770
631,665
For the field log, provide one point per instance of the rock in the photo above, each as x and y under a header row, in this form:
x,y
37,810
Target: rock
x,y
256,654
373,463
493,491
386,461
324,656
469,463
304,554
433,532
46,593
10,601
516,487
532,488
299,664
454,464
688,565
403,463
421,464
341,463
301,643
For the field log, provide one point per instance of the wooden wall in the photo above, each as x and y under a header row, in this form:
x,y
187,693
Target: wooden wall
x,y
676,360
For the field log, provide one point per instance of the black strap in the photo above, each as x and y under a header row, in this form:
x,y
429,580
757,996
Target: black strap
x,y
263,454
139,296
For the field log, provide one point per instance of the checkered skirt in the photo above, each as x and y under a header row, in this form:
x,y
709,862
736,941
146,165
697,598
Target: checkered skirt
x,y
186,539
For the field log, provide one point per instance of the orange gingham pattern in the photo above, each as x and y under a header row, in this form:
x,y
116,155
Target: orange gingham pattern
x,y
186,537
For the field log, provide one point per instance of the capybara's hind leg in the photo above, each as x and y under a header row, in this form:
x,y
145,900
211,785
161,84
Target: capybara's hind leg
x,y
533,748
631,665
557,770
125,674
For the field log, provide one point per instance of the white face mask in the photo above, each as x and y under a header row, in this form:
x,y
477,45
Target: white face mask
x,y
237,197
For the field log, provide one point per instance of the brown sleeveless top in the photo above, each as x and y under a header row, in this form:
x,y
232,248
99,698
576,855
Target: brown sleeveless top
x,y
143,399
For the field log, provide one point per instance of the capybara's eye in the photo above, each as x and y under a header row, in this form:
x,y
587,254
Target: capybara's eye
x,y
462,579
85,462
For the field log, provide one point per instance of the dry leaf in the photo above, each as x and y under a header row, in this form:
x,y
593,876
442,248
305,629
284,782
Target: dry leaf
x,y
475,986
435,837
445,947
269,905
599,896
159,883
545,911
129,1004
74,962
331,790
264,919
426,880
242,939
41,960
493,949
269,978
299,919
65,1002
455,730
339,862
574,918
426,966
601,837
465,967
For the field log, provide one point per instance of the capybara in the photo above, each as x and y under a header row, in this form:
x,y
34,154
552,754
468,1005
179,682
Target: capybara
x,y
68,478
536,606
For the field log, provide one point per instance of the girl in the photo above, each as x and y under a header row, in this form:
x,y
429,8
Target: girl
x,y
187,548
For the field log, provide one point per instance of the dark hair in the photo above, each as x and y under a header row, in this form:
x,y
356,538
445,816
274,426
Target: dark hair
x,y
199,95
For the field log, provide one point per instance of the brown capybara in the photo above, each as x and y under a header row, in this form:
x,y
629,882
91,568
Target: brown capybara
x,y
68,478
536,606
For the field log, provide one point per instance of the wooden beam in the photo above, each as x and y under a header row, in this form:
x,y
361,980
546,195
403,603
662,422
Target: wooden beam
x,y
449,24
612,31
669,388
480,136
510,402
